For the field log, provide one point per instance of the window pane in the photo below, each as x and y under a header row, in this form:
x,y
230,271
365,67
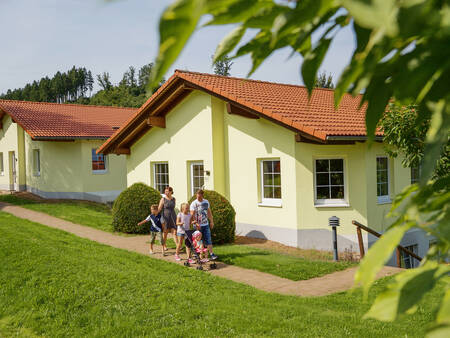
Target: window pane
x,y
276,166
277,179
323,193
267,166
322,166
268,179
277,192
382,163
337,192
268,192
337,165
337,179
383,189
323,179
382,176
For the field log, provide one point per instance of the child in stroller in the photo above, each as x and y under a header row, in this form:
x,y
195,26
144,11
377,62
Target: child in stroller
x,y
198,250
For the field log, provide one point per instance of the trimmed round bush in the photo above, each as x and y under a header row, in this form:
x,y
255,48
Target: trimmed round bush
x,y
224,217
132,206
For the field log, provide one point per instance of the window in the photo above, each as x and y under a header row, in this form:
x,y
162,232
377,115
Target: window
x,y
409,262
36,162
161,176
2,166
415,174
98,162
383,180
197,177
271,182
329,181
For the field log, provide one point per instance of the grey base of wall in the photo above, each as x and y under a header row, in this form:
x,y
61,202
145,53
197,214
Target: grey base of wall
x,y
99,197
318,239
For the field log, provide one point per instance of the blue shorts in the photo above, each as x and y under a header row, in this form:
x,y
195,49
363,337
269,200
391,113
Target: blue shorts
x,y
206,234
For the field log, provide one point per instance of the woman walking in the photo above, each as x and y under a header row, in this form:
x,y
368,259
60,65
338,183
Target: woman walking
x,y
167,206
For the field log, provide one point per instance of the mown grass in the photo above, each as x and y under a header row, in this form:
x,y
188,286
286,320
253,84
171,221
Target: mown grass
x,y
91,214
56,284
286,266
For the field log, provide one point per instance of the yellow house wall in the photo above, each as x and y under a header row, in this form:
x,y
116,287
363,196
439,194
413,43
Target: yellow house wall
x,y
399,178
316,217
66,170
8,143
249,141
186,138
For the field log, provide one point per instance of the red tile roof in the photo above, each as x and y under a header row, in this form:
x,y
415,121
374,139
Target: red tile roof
x,y
42,120
285,104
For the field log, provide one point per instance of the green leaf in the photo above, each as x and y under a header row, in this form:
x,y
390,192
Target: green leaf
x,y
176,25
378,255
312,62
239,11
229,42
406,291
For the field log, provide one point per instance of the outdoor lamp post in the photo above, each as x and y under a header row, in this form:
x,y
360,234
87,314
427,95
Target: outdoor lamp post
x,y
333,222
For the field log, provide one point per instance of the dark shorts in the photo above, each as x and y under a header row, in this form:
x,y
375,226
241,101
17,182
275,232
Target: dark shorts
x,y
206,234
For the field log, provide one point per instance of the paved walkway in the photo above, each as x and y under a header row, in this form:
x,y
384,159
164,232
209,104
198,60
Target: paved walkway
x,y
320,286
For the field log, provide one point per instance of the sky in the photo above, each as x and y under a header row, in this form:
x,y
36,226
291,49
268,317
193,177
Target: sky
x,y
42,37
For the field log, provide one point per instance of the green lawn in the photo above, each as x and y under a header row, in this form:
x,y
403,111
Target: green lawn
x,y
56,284
90,214
286,266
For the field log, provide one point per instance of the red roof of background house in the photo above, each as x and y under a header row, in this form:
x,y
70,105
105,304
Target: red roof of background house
x,y
42,120
286,104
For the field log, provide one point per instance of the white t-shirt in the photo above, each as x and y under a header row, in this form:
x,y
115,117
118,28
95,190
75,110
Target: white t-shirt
x,y
186,219
201,211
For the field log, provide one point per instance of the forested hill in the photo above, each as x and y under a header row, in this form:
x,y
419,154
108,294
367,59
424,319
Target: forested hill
x,y
77,84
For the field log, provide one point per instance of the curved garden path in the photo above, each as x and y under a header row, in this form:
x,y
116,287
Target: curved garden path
x,y
320,286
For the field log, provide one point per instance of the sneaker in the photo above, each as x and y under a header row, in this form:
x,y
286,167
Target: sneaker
x,y
191,261
213,257
177,258
205,260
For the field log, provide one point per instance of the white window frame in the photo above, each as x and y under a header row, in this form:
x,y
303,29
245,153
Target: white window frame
x,y
331,202
101,171
155,183
383,199
192,164
269,202
2,165
410,260
36,162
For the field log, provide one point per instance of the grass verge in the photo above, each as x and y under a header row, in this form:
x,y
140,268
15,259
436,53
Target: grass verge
x,y
283,265
56,284
91,214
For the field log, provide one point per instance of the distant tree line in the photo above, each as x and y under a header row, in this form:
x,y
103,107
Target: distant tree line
x,y
77,84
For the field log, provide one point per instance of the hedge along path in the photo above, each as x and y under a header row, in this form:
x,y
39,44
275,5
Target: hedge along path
x,y
320,286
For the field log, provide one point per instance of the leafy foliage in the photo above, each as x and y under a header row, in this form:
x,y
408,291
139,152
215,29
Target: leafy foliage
x,y
132,206
324,81
74,86
222,66
62,87
404,135
402,52
224,217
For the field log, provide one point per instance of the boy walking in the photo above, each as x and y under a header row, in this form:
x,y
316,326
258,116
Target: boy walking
x,y
155,228
202,215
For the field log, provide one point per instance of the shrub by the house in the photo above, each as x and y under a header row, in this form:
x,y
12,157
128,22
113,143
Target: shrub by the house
x,y
132,206
224,217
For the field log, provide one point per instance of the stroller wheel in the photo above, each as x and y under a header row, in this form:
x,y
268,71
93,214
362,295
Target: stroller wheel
x,y
199,267
187,263
213,266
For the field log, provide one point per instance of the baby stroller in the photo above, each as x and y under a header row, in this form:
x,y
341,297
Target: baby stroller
x,y
196,254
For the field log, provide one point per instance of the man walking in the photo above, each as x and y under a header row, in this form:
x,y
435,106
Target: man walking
x,y
201,213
